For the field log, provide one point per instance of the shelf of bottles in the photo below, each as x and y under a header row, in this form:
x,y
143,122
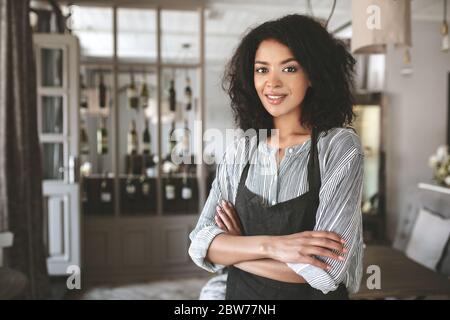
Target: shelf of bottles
x,y
96,170
137,147
179,165
180,54
151,161
137,116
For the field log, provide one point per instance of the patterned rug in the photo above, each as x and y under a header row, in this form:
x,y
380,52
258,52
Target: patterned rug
x,y
180,289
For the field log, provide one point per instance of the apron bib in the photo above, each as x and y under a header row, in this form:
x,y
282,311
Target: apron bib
x,y
287,217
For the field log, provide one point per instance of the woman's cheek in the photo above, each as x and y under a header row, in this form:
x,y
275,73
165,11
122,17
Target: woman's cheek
x,y
259,84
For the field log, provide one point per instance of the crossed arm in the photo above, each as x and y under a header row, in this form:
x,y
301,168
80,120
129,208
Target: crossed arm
x,y
267,256
296,257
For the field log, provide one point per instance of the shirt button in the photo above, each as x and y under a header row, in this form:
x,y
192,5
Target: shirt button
x,y
274,202
290,150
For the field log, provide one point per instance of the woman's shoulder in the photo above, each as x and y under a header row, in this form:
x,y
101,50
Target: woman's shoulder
x,y
338,142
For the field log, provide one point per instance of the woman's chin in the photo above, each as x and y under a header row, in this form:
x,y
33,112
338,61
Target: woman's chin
x,y
277,111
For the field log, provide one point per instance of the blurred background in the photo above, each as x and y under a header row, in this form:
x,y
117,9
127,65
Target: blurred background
x,y
97,95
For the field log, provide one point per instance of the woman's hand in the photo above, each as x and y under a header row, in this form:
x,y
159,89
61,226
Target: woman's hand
x,y
303,246
227,219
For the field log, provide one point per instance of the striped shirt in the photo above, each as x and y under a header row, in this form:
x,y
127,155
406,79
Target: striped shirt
x,y
341,169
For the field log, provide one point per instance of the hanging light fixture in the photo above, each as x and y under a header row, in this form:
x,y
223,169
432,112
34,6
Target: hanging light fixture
x,y
377,23
444,30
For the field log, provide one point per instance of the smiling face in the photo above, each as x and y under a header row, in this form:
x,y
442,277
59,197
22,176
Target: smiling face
x,y
279,79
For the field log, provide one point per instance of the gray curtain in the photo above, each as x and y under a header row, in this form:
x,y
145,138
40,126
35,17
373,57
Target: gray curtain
x,y
21,210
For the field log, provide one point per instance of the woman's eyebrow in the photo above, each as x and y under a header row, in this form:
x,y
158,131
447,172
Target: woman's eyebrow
x,y
282,62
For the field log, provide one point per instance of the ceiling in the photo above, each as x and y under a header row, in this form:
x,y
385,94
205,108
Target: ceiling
x,y
236,14
226,21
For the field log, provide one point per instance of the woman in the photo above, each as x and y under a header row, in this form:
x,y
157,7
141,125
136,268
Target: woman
x,y
284,212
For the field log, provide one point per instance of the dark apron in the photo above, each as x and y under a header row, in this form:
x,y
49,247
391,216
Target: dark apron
x,y
287,217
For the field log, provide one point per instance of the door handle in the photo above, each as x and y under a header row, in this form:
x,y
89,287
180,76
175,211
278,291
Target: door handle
x,y
72,170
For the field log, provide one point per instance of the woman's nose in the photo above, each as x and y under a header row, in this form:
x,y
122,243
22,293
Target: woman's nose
x,y
273,80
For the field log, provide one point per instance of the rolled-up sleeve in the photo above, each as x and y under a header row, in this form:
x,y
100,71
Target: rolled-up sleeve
x,y
223,187
339,211
206,230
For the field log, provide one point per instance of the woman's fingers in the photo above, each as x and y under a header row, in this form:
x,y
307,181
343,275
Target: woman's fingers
x,y
231,213
325,234
229,218
327,243
225,218
309,247
318,251
317,263
220,222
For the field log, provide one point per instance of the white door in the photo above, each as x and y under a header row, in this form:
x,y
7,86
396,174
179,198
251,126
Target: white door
x,y
58,94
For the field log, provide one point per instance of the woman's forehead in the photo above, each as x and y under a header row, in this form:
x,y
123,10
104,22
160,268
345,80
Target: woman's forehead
x,y
272,50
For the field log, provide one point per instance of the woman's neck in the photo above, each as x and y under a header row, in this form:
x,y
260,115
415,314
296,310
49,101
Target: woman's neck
x,y
289,131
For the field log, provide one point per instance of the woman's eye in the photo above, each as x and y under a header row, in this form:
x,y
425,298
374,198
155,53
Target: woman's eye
x,y
261,70
290,69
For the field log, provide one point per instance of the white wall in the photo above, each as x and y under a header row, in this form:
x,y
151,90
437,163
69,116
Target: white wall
x,y
416,115
217,105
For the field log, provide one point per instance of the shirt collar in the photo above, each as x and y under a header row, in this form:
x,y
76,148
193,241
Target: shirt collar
x,y
294,150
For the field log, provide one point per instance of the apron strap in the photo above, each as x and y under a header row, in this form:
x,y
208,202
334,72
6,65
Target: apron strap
x,y
314,181
247,165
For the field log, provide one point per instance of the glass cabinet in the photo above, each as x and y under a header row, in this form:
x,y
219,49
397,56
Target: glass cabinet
x,y
138,110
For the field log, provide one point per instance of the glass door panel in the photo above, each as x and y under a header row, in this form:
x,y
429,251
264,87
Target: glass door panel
x,y
52,67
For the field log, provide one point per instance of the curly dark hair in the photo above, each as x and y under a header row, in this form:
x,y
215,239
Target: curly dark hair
x,y
328,103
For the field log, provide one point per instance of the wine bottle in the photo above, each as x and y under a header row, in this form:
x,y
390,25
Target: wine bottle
x,y
186,190
185,142
146,140
145,185
168,163
144,96
132,139
170,187
102,138
172,96
101,92
144,181
83,94
172,138
132,95
84,140
130,187
105,190
188,94
150,166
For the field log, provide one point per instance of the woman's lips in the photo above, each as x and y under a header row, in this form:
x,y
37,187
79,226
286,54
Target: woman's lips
x,y
275,99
